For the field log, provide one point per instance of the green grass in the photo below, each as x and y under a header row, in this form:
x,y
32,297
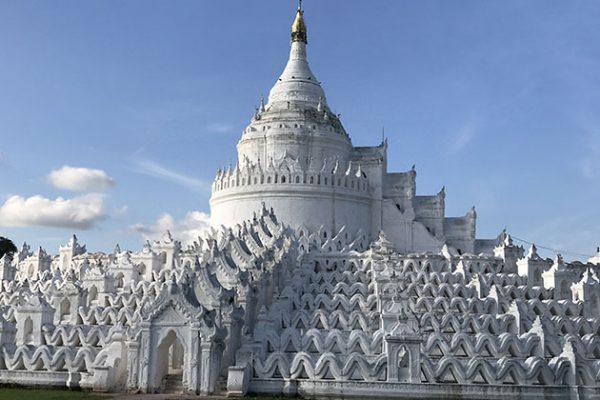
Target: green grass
x,y
16,393
44,394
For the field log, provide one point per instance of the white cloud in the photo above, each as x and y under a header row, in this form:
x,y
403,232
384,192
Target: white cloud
x,y
187,229
464,136
156,170
80,212
219,127
120,211
80,179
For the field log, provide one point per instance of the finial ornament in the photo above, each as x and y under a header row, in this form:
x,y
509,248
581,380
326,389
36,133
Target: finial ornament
x,y
299,27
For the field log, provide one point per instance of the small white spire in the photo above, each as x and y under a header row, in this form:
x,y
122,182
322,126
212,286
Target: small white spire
x,y
533,254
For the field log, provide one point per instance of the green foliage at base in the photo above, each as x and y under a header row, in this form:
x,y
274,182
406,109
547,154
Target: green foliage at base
x,y
6,246
44,394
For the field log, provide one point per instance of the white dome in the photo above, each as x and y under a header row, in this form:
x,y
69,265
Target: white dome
x,y
297,83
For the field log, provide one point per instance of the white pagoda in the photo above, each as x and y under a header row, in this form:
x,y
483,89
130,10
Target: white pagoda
x,y
323,275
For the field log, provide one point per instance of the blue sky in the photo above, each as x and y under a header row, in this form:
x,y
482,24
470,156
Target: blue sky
x,y
498,101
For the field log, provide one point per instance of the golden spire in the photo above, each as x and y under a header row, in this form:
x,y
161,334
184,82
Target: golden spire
x,y
299,27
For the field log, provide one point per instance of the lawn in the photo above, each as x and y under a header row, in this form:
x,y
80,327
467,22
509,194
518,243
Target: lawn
x,y
44,394
13,393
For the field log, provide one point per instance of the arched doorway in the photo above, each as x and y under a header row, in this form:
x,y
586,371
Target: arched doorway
x,y
143,270
65,311
120,281
178,349
169,366
28,331
93,296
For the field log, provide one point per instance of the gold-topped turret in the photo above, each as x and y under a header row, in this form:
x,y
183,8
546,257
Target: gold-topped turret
x,y
299,27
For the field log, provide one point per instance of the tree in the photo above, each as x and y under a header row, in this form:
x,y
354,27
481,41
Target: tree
x,y
6,246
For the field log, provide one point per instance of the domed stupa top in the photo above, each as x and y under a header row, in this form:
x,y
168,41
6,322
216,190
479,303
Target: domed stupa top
x,y
297,83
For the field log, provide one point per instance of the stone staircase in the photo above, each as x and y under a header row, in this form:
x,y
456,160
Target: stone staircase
x,y
221,388
173,383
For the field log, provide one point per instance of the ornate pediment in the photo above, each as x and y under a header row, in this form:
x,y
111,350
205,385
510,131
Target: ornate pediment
x,y
174,296
170,315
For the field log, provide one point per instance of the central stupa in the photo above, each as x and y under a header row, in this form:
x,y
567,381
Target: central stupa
x,y
296,157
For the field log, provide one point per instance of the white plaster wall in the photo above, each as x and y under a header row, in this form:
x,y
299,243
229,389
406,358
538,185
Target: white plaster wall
x,y
301,143
406,234
374,170
295,205
459,233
